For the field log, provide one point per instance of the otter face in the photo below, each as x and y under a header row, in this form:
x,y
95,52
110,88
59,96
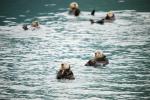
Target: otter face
x,y
35,24
74,5
64,66
98,54
110,14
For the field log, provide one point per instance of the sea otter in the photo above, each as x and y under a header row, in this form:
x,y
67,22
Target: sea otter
x,y
65,72
109,18
99,60
74,9
34,26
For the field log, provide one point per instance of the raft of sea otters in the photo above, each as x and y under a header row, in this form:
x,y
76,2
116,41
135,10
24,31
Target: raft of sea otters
x,y
75,11
99,59
65,71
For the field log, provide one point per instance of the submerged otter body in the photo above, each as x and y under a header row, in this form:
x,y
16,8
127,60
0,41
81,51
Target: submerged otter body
x,y
110,17
98,22
98,62
104,20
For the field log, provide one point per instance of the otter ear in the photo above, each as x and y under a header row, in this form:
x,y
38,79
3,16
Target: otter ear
x,y
69,67
62,65
96,54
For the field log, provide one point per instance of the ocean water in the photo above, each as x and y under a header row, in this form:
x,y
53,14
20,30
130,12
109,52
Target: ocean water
x,y
30,59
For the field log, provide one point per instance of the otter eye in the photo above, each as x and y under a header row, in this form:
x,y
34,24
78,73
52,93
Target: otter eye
x,y
69,66
62,64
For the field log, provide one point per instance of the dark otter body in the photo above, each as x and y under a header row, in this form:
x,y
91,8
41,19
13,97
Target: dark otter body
x,y
98,62
102,21
75,12
98,22
25,27
67,74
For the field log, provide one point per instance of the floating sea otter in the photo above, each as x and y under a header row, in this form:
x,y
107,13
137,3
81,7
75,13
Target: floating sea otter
x,y
34,25
74,9
109,18
99,60
65,72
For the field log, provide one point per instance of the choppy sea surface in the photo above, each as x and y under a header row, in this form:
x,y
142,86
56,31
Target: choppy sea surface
x,y
29,59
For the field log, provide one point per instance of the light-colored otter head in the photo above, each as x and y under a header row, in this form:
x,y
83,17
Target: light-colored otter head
x,y
35,24
74,5
64,66
98,54
110,14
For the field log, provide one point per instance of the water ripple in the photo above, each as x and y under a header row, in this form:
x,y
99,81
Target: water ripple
x,y
29,59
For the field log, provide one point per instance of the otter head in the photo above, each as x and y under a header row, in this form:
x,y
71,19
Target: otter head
x,y
64,66
110,14
74,5
35,24
98,54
